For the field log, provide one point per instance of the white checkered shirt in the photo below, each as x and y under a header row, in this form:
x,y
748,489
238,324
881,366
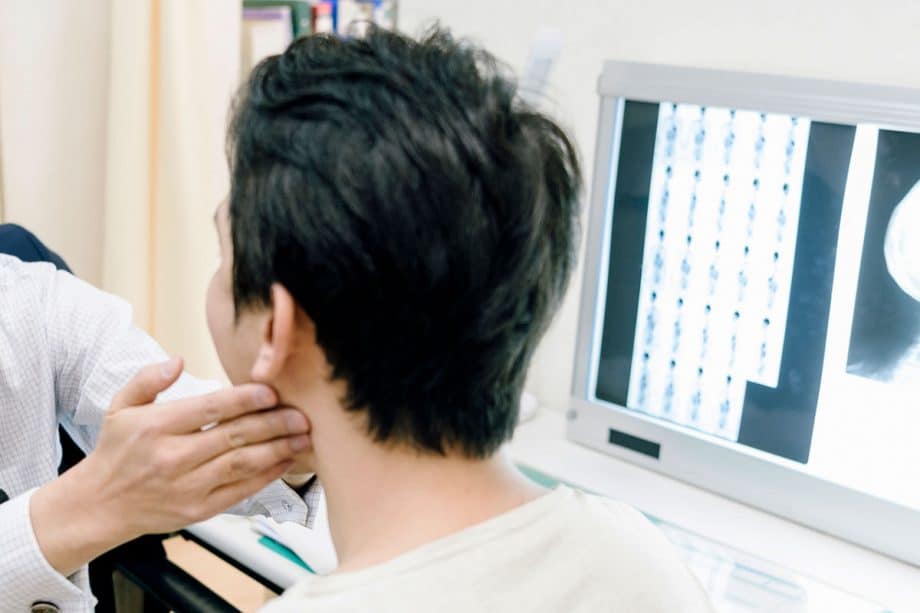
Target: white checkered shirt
x,y
66,348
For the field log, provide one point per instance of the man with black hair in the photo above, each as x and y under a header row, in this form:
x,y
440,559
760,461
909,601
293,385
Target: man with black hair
x,y
399,232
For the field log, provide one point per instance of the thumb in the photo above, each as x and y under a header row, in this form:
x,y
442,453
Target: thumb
x,y
145,385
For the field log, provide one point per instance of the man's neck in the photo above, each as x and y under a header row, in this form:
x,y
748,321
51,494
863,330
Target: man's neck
x,y
384,502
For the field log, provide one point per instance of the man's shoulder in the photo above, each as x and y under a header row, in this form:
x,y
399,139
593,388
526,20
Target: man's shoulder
x,y
14,270
29,289
31,285
570,551
626,552
22,285
610,519
581,513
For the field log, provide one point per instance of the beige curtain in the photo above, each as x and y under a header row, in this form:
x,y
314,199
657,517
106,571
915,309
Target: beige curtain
x,y
112,116
166,170
53,89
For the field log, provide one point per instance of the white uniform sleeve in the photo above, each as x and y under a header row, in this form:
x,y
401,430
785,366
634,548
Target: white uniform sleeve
x,y
27,577
89,342
95,350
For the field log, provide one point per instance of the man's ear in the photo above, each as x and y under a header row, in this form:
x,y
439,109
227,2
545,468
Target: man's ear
x,y
277,339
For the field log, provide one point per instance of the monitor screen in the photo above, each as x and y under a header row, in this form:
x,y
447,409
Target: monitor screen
x,y
763,287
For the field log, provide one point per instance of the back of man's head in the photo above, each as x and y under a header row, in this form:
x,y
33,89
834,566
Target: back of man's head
x,y
419,213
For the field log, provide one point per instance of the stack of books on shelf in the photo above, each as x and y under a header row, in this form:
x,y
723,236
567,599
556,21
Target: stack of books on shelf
x,y
269,26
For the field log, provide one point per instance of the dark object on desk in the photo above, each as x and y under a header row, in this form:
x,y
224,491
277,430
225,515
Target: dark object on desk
x,y
141,583
121,576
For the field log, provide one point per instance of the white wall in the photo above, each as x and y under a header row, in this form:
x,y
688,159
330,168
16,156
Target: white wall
x,y
854,40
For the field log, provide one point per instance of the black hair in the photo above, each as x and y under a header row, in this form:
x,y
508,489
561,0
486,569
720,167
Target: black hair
x,y
420,214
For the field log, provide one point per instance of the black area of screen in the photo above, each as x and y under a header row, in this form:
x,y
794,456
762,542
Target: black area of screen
x,y
886,320
633,443
627,244
781,420
776,420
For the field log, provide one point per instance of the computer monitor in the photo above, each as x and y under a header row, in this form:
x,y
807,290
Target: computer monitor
x,y
750,315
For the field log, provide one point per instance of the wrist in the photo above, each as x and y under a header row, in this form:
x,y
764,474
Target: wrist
x,y
71,527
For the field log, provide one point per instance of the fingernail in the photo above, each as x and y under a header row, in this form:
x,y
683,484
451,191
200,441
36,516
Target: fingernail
x,y
299,443
168,369
296,422
264,397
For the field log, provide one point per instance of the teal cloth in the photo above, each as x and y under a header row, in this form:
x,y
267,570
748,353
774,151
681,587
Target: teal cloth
x,y
283,551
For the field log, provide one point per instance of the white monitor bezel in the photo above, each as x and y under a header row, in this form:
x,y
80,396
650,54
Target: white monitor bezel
x,y
745,474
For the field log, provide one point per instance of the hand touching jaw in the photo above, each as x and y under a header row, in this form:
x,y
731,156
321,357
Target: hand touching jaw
x,y
156,469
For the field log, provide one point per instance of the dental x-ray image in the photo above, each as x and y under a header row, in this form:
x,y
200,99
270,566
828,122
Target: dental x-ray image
x,y
885,338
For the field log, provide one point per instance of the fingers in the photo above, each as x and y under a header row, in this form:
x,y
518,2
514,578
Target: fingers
x,y
248,462
146,384
245,431
192,414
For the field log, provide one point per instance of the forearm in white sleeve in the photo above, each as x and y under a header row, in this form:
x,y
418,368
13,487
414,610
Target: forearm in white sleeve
x,y
96,349
26,577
